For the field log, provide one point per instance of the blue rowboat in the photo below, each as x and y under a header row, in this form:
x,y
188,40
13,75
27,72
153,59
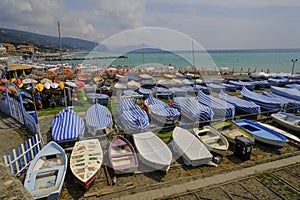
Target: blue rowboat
x,y
46,173
262,133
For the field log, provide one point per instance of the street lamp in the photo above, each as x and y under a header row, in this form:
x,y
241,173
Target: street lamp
x,y
293,61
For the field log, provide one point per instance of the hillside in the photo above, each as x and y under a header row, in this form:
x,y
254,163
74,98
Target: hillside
x,y
23,37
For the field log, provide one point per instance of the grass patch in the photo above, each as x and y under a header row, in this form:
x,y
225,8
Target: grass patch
x,y
165,135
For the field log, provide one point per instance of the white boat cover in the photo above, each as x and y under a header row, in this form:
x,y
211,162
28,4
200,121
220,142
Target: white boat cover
x,y
185,143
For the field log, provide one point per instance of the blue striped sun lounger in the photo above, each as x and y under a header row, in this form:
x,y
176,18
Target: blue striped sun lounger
x,y
192,109
98,117
221,108
132,118
67,126
240,105
265,102
161,112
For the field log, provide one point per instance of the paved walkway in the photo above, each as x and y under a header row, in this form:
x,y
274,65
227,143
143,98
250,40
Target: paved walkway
x,y
213,180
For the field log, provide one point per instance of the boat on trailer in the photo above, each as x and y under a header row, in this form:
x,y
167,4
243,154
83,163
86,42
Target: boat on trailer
x,y
85,161
46,173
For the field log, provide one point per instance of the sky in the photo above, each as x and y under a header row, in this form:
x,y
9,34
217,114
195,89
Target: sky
x,y
213,24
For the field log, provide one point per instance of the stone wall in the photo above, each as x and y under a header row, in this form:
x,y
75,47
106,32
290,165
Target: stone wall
x,y
10,187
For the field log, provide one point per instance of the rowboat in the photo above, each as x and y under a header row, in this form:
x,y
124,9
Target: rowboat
x,y
192,109
122,156
213,139
46,173
98,117
161,112
67,126
241,105
262,134
288,121
85,161
265,102
132,118
153,152
291,93
220,107
282,132
231,130
192,150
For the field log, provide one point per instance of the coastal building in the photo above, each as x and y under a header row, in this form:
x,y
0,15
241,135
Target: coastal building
x,y
9,47
26,48
2,49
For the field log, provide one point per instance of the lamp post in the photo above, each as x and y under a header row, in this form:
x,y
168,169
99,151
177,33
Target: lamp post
x,y
293,61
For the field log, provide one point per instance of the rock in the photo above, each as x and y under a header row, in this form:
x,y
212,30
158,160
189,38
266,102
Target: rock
x,y
11,188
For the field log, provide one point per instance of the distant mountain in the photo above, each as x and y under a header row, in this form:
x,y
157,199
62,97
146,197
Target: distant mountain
x,y
23,37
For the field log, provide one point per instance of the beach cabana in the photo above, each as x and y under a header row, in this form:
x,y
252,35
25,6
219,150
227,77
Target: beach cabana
x,y
265,102
215,87
240,105
103,99
192,109
145,92
98,117
67,126
230,87
221,108
178,92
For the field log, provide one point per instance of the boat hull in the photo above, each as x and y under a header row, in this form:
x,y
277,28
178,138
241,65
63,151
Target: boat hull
x,y
190,148
46,173
288,121
214,141
85,161
122,156
262,133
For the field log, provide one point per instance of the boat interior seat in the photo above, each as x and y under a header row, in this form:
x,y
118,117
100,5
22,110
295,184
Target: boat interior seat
x,y
122,154
211,139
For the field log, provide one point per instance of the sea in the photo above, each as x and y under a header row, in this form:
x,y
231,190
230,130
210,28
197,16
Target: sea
x,y
267,60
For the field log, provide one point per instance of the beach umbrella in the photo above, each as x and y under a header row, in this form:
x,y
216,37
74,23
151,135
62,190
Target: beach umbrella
x,y
61,85
47,85
111,69
29,81
80,83
70,84
54,85
44,80
68,72
39,87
